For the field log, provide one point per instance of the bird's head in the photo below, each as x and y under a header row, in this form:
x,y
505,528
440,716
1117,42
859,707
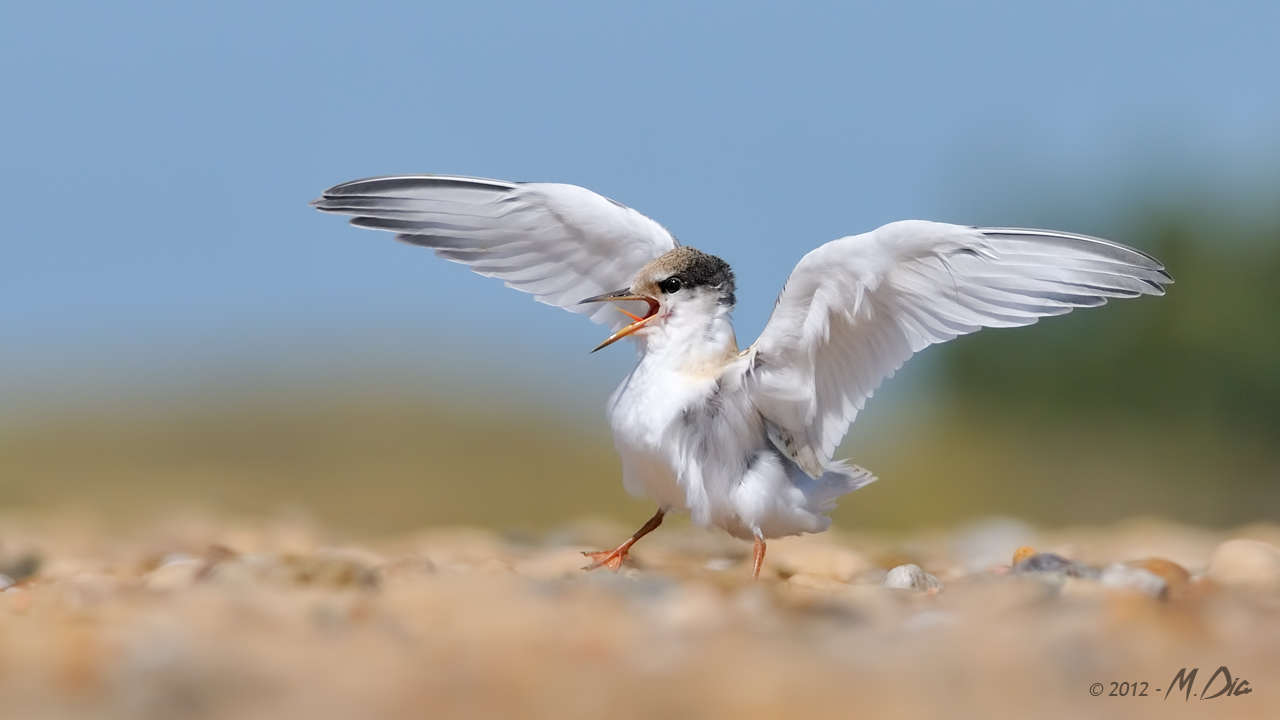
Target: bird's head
x,y
681,281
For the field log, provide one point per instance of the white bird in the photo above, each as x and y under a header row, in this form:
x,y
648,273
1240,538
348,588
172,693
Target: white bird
x,y
744,439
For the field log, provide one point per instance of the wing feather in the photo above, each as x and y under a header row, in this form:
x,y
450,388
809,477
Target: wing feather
x,y
854,310
559,243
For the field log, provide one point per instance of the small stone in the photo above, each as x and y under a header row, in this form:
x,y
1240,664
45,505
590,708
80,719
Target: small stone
x,y
912,577
1043,562
244,570
20,568
333,568
5,582
216,553
1127,577
174,574
1245,563
1175,577
1022,553
1054,564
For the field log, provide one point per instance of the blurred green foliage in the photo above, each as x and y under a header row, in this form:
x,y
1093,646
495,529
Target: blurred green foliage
x,y
1208,353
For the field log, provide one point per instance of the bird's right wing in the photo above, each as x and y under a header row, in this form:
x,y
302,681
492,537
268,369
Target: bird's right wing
x,y
854,310
559,243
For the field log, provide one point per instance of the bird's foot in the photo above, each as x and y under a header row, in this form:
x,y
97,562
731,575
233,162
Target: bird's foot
x,y
611,559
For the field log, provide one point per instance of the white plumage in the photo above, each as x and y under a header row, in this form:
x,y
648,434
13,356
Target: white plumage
x,y
854,310
559,243
744,440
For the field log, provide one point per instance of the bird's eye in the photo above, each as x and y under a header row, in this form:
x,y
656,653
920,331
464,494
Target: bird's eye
x,y
670,285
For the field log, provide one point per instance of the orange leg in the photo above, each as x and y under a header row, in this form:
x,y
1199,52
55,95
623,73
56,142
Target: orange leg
x,y
612,559
757,559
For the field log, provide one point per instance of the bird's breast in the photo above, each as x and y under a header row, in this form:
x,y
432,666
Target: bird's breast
x,y
648,415
648,406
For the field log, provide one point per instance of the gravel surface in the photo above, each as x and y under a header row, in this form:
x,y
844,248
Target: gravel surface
x,y
210,618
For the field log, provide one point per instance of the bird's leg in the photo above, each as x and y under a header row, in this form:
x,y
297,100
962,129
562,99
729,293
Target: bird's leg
x,y
612,559
757,559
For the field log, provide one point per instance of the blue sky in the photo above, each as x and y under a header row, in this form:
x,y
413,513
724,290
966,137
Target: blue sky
x,y
158,158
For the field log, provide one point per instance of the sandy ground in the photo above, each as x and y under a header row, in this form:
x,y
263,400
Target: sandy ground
x,y
201,618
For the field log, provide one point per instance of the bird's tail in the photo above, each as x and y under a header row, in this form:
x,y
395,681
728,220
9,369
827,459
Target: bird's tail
x,y
838,478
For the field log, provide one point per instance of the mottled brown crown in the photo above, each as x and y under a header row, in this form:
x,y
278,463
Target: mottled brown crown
x,y
695,269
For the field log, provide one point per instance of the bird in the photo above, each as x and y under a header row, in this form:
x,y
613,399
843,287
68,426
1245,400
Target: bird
x,y
744,439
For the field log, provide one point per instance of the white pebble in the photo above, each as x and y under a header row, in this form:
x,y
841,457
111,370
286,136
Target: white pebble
x,y
911,577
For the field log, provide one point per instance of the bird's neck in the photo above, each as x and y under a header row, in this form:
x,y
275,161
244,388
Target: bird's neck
x,y
693,337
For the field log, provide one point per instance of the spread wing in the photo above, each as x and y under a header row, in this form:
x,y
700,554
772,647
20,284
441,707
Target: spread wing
x,y
559,243
854,310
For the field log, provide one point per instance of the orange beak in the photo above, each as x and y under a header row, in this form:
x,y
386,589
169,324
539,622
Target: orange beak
x,y
639,322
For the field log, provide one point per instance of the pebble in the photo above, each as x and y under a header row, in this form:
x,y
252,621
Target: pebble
x,y
1022,553
332,568
912,577
1127,577
1245,563
1043,562
1175,577
1054,564
22,567
174,574
291,624
243,570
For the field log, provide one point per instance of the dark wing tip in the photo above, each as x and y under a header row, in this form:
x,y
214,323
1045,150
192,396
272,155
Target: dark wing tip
x,y
392,182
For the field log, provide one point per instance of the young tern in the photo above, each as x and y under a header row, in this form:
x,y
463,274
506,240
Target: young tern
x,y
743,439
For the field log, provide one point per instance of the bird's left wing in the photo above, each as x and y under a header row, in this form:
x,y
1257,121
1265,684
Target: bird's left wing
x,y
854,310
559,243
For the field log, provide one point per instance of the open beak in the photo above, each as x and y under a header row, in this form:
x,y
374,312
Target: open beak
x,y
622,296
